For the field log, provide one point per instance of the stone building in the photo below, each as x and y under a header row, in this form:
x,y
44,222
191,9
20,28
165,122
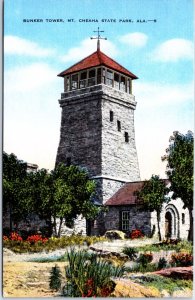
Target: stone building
x,y
97,133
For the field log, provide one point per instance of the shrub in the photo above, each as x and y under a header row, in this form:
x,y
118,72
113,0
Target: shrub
x,y
136,233
36,238
55,278
89,276
115,234
181,259
145,258
162,263
14,236
131,252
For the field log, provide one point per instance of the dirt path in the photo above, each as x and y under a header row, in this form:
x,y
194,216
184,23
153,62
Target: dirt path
x,y
28,279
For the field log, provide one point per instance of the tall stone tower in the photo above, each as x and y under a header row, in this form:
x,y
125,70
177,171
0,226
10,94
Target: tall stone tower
x,y
97,123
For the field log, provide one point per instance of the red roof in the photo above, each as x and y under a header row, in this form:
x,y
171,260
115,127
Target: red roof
x,y
95,59
125,195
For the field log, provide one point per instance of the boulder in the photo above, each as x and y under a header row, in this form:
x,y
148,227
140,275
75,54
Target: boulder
x,y
177,273
115,235
128,289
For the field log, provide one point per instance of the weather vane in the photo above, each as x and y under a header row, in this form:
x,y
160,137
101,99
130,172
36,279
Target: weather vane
x,y
98,38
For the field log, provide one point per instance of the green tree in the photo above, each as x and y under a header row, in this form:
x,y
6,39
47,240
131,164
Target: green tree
x,y
73,191
153,194
179,157
15,189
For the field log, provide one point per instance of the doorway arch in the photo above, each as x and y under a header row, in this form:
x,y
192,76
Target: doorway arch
x,y
172,229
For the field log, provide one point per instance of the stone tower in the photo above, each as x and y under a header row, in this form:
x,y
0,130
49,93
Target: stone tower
x,y
97,123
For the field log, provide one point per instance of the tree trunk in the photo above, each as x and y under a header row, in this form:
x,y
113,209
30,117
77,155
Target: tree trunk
x,y
190,233
158,221
55,226
60,227
10,216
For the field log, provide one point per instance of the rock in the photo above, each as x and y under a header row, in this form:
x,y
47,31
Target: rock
x,y
128,289
177,273
186,293
115,234
8,252
165,294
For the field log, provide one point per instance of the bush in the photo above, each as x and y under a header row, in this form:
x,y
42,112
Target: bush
x,y
55,278
136,233
131,252
115,234
145,258
162,263
89,276
37,243
181,259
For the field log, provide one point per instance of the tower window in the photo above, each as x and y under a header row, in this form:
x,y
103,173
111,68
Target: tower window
x,y
126,137
119,125
74,81
68,161
111,116
116,81
91,80
122,84
109,79
183,218
83,80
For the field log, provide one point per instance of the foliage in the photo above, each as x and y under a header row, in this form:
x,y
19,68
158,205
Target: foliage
x,y
136,233
64,193
182,259
153,195
115,234
144,259
188,246
53,243
162,263
55,278
164,283
139,268
179,157
36,238
131,252
16,199
14,236
89,276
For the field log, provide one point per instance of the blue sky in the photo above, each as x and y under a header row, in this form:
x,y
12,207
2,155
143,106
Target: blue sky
x,y
160,53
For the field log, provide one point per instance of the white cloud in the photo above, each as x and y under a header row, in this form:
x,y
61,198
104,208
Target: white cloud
x,y
86,47
136,39
14,45
173,50
155,94
161,109
29,78
32,113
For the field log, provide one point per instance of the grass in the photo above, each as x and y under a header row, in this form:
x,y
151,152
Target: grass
x,y
181,246
164,283
62,258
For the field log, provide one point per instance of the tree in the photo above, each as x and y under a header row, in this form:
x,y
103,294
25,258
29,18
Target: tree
x,y
179,157
73,191
15,188
153,195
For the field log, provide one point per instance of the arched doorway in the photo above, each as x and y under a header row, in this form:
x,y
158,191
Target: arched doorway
x,y
172,229
168,224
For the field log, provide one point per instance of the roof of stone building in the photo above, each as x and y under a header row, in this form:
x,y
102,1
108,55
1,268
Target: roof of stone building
x,y
125,195
95,59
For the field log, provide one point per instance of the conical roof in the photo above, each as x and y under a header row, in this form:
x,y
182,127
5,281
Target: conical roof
x,y
95,59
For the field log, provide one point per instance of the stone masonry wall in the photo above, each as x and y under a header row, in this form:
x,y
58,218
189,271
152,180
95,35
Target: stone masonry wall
x,y
139,219
119,158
